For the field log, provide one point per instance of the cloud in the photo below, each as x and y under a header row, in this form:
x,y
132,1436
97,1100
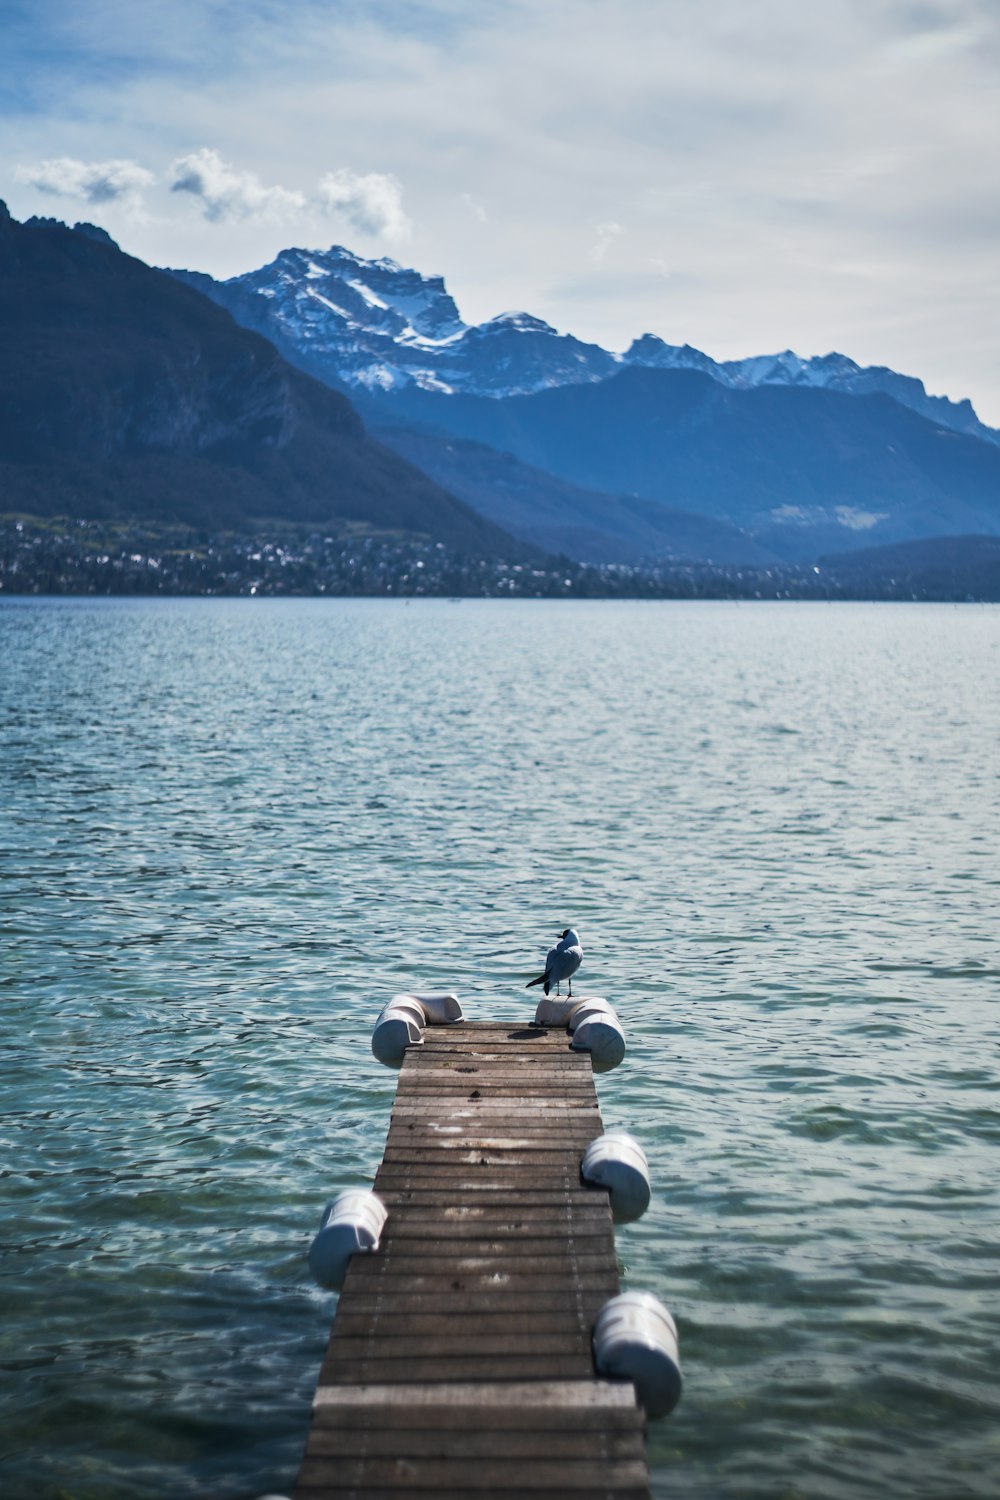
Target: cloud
x,y
225,193
475,207
372,202
95,181
606,236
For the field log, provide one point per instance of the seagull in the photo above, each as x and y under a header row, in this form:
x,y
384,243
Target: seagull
x,y
561,963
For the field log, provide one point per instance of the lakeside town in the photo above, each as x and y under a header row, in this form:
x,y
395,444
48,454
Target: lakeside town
x,y
68,556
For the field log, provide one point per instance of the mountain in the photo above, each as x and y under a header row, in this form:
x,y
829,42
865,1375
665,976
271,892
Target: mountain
x,y
788,457
375,325
124,394
831,372
560,517
802,470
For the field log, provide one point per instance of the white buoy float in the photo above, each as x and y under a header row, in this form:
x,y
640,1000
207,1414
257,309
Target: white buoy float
x,y
400,1025
635,1338
584,1010
351,1225
440,1010
597,1030
616,1161
553,1011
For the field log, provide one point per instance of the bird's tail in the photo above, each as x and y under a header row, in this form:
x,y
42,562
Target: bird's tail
x,y
532,982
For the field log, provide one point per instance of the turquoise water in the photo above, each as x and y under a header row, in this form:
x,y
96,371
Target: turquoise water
x,y
230,830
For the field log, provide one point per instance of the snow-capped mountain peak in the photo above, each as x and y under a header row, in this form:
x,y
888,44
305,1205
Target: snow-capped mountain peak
x,y
379,296
521,321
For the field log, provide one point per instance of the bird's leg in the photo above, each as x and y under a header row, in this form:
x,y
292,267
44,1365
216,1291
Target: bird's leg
x,y
571,989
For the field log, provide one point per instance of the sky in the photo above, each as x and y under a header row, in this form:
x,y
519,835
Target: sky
x,y
742,175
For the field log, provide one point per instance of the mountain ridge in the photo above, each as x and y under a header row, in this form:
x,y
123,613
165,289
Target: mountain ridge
x,y
380,326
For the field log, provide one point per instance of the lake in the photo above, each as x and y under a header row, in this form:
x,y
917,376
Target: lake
x,y
232,829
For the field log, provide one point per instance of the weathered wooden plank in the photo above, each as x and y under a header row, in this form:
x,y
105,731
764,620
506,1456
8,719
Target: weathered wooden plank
x,y
525,1110
434,1476
463,1491
431,1200
458,1443
400,1255
396,1422
520,1097
538,1365
509,1300
432,1194
500,1158
554,1283
448,1177
467,1341
440,1120
428,1143
454,1318
416,1237
550,1217
375,1368
593,1395
561,1129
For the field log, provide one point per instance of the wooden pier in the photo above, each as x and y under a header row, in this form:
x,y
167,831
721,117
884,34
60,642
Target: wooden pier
x,y
460,1361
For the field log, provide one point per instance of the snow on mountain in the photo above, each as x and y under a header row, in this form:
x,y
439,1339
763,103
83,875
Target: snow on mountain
x,y
835,372
379,326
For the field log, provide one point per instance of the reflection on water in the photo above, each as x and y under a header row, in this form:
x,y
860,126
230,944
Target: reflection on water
x,y
231,829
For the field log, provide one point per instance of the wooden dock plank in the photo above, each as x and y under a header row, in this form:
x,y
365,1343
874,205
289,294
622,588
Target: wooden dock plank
x,y
434,1476
459,1364
419,1442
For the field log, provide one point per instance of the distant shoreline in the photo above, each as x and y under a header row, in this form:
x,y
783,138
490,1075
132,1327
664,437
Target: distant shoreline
x,y
67,557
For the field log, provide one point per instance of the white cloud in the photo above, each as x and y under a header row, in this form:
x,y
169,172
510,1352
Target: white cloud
x,y
475,207
606,236
226,193
95,181
372,202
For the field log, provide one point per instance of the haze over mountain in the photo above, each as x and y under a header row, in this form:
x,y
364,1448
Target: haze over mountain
x,y
787,457
559,516
127,395
801,471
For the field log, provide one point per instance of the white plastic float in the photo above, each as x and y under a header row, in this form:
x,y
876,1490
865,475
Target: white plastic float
x,y
616,1161
594,1025
440,1010
401,1023
351,1225
635,1338
553,1011
593,1005
597,1030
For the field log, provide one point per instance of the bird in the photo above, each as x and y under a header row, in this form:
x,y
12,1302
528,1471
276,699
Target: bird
x,y
561,962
